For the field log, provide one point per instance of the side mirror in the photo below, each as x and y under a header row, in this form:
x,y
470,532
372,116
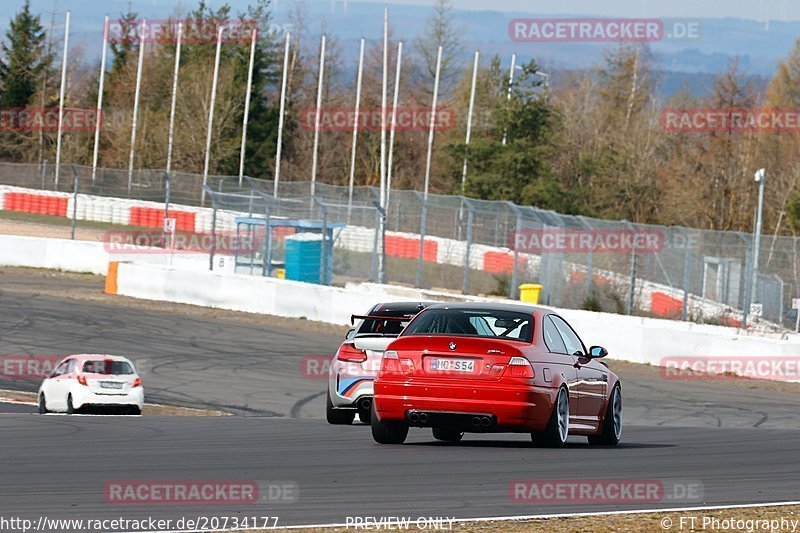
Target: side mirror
x,y
597,352
350,333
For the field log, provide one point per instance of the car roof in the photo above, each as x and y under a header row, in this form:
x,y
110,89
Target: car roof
x,y
489,306
395,308
95,356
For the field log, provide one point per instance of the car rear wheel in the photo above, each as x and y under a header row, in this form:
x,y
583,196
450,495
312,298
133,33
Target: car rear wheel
x,y
447,435
388,432
70,407
612,425
42,405
557,430
338,416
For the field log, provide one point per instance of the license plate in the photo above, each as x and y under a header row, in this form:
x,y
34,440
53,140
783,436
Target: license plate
x,y
453,365
110,385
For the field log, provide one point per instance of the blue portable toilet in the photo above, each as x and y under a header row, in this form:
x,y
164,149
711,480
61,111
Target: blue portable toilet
x,y
304,257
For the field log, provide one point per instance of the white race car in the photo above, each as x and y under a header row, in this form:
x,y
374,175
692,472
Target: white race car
x,y
358,360
87,380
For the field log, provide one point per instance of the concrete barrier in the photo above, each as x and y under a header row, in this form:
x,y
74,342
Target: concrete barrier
x,y
240,292
635,339
92,257
187,280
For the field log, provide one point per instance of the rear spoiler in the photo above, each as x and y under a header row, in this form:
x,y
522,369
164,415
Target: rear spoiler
x,y
353,318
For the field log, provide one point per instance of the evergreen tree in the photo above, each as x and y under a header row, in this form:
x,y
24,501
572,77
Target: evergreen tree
x,y
23,59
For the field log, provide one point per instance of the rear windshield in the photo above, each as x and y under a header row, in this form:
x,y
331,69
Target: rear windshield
x,y
107,367
473,323
382,327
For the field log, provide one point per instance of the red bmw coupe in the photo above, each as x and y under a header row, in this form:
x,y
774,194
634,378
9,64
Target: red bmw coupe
x,y
485,368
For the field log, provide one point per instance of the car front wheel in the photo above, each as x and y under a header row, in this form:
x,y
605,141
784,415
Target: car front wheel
x,y
42,405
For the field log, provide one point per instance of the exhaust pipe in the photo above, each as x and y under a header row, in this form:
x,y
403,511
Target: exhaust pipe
x,y
486,421
476,421
365,404
413,417
423,417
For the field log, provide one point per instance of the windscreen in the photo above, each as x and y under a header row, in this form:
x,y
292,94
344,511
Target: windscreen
x,y
473,323
107,367
383,326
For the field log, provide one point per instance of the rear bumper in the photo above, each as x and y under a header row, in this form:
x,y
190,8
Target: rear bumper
x,y
347,392
511,408
84,397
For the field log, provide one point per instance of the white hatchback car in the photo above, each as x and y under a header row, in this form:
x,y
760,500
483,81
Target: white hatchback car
x,y
88,380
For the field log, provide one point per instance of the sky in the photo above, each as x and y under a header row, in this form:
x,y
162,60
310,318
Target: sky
x,y
745,9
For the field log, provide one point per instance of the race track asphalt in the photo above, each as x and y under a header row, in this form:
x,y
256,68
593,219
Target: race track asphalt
x,y
738,443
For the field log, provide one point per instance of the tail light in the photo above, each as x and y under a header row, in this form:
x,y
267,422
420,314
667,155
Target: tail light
x,y
394,364
137,382
519,367
390,363
82,380
351,354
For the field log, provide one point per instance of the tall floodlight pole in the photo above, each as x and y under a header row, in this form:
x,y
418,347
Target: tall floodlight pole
x,y
171,131
211,115
469,118
432,129
355,129
99,110
393,126
317,119
136,105
61,99
247,102
384,89
280,117
510,83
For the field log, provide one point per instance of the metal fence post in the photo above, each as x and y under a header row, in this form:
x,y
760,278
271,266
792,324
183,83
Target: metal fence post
x,y
687,274
632,289
375,240
44,174
423,222
74,201
324,259
167,193
213,232
465,288
267,258
512,289
382,251
747,280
